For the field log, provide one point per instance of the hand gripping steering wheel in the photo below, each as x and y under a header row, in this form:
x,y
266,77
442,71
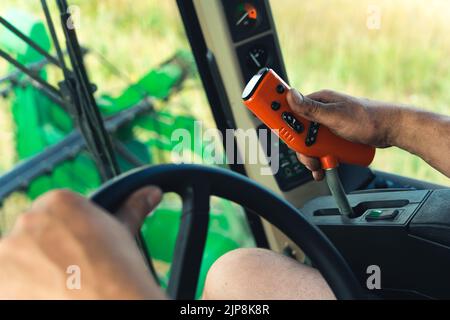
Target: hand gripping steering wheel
x,y
196,184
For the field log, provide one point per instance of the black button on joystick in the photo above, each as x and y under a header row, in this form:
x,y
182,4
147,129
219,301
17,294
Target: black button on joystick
x,y
276,105
292,122
312,134
280,89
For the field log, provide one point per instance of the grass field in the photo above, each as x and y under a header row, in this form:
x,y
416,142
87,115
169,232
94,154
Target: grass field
x,y
325,43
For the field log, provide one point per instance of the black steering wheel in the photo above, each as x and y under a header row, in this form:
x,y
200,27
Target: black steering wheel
x,y
196,184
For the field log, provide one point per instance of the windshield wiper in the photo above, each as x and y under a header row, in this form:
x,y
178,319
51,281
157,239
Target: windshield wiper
x,y
77,88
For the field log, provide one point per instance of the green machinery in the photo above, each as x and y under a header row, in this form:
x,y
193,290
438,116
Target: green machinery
x,y
41,123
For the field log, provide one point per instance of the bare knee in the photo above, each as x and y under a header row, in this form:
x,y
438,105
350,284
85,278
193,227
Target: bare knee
x,y
262,274
223,279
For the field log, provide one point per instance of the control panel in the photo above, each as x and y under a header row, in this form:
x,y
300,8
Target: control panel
x,y
256,46
291,173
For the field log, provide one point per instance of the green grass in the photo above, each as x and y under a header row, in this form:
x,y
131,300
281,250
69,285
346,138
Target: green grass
x,y
325,43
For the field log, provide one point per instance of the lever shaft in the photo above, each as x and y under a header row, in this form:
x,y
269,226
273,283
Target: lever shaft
x,y
337,190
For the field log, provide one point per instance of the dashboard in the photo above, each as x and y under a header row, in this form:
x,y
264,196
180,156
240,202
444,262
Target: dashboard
x,y
255,44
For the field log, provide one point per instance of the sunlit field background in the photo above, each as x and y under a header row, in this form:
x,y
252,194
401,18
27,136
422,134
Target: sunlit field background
x,y
325,43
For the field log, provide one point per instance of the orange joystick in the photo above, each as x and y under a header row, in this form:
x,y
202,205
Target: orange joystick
x,y
266,96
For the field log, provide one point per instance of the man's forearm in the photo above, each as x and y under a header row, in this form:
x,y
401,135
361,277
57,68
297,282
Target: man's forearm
x,y
424,134
377,124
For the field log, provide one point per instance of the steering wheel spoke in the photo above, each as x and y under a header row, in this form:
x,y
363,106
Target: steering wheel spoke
x,y
191,241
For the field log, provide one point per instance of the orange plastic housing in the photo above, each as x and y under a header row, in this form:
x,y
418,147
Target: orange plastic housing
x,y
265,96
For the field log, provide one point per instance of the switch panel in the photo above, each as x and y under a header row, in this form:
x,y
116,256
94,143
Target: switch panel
x,y
382,214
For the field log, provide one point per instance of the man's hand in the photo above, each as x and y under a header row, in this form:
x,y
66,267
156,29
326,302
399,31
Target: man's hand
x,y
354,119
63,229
